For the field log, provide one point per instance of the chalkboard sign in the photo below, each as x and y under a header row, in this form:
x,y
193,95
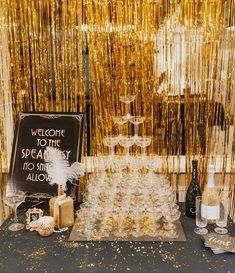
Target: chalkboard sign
x,y
36,131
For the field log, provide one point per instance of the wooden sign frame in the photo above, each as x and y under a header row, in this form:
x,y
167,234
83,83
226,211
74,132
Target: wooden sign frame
x,y
34,132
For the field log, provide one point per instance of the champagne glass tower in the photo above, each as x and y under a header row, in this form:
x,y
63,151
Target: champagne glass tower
x,y
124,207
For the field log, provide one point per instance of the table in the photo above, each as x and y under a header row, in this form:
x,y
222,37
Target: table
x,y
25,251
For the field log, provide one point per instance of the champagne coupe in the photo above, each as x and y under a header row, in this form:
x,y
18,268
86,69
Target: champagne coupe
x,y
152,164
135,163
13,199
111,142
127,99
120,164
143,142
136,120
222,215
201,222
126,142
171,215
120,121
99,164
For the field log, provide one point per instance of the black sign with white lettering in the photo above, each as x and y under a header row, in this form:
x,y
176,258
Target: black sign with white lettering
x,y
36,131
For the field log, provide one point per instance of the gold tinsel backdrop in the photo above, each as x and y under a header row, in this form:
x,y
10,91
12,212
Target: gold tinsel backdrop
x,y
176,57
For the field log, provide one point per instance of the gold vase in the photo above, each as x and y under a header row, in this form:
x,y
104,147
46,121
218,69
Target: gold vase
x,y
61,207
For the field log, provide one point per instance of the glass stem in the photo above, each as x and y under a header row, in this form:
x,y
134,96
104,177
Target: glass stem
x,y
143,154
111,151
15,215
120,129
127,108
151,174
136,130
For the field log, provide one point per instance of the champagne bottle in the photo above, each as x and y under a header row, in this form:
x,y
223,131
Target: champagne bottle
x,y
192,192
210,198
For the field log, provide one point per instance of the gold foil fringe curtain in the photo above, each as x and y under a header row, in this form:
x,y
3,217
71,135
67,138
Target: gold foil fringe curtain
x,y
41,62
176,57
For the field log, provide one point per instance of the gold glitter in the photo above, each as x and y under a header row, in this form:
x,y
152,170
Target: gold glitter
x,y
38,253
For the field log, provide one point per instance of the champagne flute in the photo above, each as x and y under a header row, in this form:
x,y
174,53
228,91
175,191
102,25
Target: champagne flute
x,y
13,198
201,222
222,215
